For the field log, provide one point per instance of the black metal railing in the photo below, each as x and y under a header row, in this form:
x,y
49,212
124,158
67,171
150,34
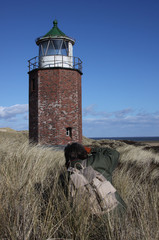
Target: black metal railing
x,y
55,61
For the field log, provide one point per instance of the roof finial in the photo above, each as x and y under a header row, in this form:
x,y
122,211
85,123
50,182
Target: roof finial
x,y
55,23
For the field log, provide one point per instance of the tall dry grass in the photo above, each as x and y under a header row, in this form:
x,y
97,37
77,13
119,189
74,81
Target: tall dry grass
x,y
33,204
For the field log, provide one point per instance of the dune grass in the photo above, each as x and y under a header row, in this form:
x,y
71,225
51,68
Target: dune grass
x,y
33,204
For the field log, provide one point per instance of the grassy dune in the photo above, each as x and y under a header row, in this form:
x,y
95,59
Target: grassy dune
x,y
33,204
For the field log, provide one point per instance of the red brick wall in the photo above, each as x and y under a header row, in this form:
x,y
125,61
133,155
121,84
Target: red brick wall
x,y
54,105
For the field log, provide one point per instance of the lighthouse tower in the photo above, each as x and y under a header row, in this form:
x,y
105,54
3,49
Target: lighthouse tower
x,y
55,111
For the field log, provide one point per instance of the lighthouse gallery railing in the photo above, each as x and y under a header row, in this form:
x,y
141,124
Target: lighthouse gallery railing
x,y
38,62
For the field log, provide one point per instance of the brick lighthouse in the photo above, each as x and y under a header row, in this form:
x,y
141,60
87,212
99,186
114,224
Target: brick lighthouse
x,y
55,111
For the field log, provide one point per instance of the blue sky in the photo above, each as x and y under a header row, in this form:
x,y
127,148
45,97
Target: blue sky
x,y
118,42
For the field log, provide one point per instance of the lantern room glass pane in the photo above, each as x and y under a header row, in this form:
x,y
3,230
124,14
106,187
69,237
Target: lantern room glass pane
x,y
40,50
57,45
51,50
64,48
44,45
53,47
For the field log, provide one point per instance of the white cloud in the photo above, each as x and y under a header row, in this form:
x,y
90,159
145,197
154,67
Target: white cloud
x,y
11,112
125,122
91,111
123,113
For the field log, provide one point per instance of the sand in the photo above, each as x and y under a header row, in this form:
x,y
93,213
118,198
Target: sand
x,y
153,143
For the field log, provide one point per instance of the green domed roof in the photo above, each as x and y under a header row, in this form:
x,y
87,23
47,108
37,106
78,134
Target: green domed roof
x,y
55,31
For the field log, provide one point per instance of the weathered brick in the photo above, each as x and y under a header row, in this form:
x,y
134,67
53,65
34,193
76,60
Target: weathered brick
x,y
54,105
